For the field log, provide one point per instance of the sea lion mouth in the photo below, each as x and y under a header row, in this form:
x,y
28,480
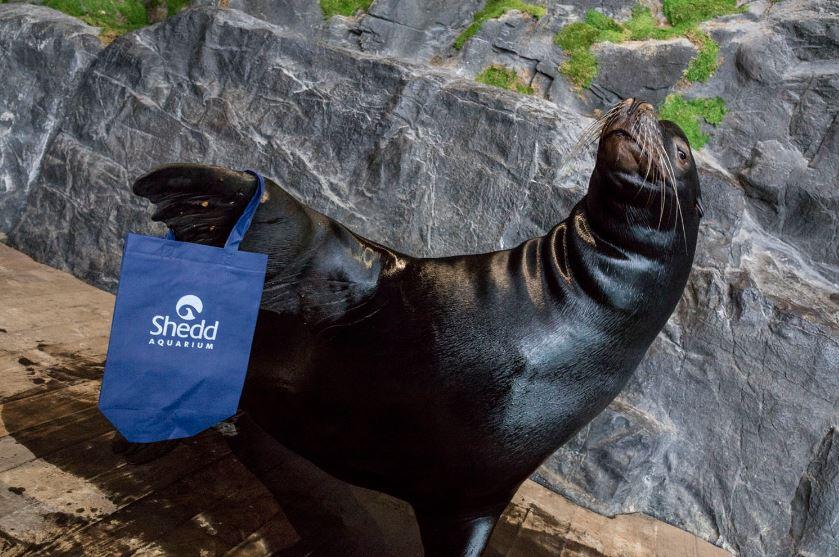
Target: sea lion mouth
x,y
631,149
631,143
631,140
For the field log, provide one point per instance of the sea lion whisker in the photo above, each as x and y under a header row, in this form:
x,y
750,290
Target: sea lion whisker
x,y
589,134
679,215
645,142
648,151
659,154
667,171
645,149
587,137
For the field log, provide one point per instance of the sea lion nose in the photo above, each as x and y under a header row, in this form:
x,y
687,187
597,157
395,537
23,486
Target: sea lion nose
x,y
638,105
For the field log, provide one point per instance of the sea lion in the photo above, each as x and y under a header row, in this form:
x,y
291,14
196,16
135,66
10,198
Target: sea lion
x,y
447,381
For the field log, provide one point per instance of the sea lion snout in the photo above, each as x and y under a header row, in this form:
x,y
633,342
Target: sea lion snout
x,y
631,138
641,159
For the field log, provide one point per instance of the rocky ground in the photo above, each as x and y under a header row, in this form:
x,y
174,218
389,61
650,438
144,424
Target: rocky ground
x,y
376,119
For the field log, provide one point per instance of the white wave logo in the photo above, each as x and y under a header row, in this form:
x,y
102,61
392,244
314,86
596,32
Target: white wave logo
x,y
188,303
167,331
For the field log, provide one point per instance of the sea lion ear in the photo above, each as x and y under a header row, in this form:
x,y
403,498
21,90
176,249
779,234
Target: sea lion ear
x,y
199,202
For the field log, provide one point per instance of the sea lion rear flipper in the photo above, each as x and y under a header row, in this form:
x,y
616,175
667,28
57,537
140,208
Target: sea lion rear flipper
x,y
316,266
200,203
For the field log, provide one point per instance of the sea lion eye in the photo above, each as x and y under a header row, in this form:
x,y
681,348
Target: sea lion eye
x,y
682,155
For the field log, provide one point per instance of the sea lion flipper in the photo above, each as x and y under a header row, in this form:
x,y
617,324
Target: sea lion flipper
x,y
199,202
317,268
141,453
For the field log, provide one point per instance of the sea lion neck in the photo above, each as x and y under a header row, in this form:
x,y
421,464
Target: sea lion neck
x,y
638,220
621,259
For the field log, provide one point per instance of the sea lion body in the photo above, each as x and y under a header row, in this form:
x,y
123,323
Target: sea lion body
x,y
447,381
480,349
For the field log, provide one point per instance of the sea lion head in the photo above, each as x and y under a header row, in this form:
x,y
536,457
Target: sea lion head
x,y
645,169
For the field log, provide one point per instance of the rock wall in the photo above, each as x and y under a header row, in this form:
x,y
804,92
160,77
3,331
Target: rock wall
x,y
727,429
42,55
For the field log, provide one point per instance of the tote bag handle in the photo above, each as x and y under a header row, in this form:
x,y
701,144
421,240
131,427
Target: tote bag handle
x,y
244,222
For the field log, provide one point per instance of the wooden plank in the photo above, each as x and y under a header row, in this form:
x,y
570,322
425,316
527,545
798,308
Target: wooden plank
x,y
541,533
673,542
13,259
19,378
33,320
49,500
46,439
41,408
100,483
48,384
229,522
507,529
270,538
14,338
24,377
136,525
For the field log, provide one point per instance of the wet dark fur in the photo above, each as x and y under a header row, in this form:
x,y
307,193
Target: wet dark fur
x,y
445,382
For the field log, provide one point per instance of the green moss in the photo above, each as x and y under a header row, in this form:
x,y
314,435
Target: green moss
x,y
580,68
175,6
574,36
602,22
505,78
493,10
642,26
597,28
113,16
689,12
343,7
706,62
688,114
576,39
524,89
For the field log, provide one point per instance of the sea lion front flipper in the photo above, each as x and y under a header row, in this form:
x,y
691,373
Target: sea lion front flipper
x,y
141,453
449,535
317,268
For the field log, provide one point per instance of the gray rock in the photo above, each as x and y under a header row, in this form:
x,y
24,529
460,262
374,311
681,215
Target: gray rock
x,y
780,80
724,416
817,496
518,41
618,9
415,29
43,53
643,69
398,153
301,16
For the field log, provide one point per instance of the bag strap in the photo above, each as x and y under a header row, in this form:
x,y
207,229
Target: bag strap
x,y
244,222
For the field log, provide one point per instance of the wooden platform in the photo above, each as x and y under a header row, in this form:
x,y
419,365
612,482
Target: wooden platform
x,y
229,491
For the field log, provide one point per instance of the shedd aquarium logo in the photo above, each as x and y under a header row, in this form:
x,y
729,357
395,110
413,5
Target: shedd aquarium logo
x,y
172,332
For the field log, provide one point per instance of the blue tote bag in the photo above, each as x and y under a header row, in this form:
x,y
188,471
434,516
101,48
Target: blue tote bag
x,y
181,335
